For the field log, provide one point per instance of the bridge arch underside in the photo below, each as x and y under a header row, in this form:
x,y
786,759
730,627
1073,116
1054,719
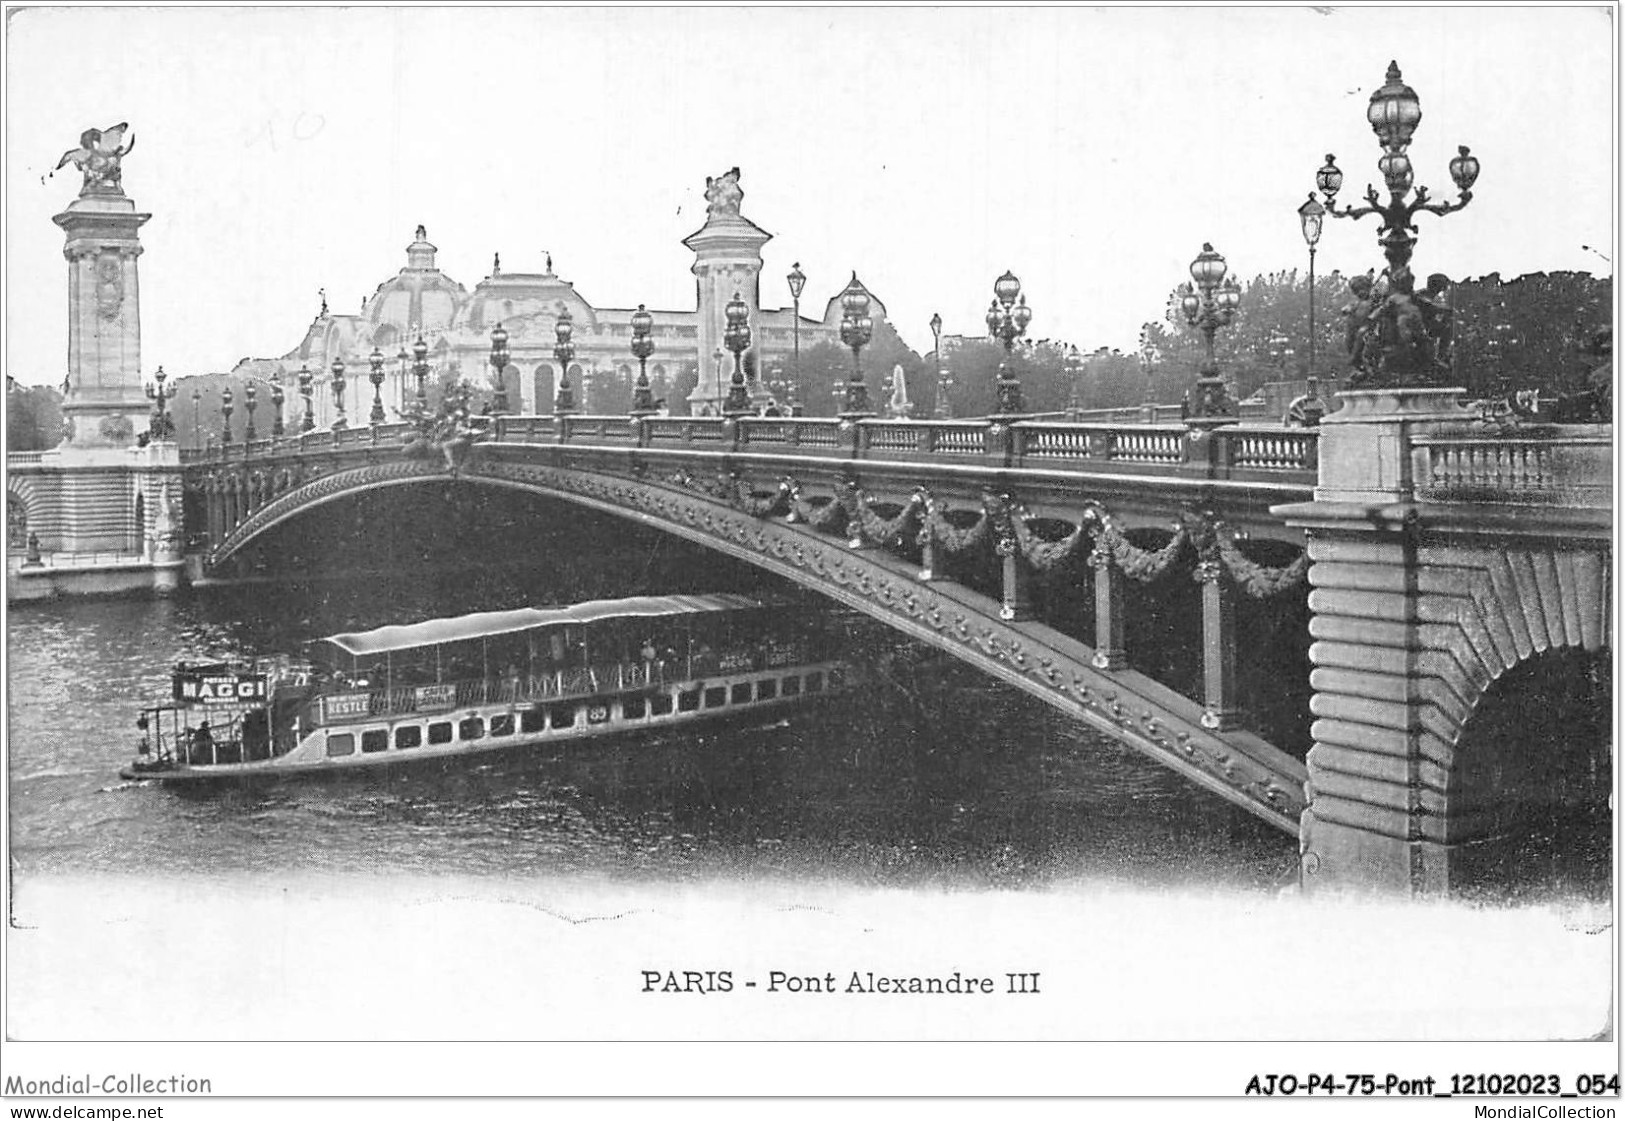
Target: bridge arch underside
x,y
1463,721
871,558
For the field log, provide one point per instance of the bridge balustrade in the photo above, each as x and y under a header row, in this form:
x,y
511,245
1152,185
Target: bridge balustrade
x,y
1538,469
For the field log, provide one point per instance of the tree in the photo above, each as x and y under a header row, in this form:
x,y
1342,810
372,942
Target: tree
x,y
1533,332
33,417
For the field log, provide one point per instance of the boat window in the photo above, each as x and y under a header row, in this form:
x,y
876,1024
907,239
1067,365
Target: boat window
x,y
342,744
472,728
633,708
716,696
375,739
815,681
562,716
741,693
792,686
660,704
533,720
440,732
688,700
409,736
767,690
502,725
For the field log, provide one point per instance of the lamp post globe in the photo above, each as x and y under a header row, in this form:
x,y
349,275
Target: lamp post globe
x,y
736,337
797,281
1007,319
1406,342
307,385
499,370
1207,306
643,345
225,413
375,374
944,409
564,351
250,392
277,397
420,370
856,330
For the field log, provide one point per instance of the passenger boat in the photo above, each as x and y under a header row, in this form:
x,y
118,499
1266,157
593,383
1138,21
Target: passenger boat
x,y
487,682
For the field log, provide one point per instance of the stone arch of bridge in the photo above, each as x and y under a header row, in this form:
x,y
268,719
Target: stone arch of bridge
x,y
1064,672
1406,649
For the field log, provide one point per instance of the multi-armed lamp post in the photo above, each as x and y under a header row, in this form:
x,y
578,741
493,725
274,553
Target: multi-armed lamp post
x,y
339,423
225,414
499,367
420,371
856,330
250,393
736,337
306,390
161,426
565,351
376,375
1210,305
1007,319
277,397
1394,112
643,345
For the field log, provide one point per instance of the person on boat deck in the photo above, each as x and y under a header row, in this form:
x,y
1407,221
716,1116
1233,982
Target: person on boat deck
x,y
648,653
202,744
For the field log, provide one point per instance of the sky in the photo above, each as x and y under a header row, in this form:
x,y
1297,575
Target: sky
x,y
1091,151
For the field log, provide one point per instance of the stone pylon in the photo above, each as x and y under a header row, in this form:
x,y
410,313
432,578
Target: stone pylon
x,y
727,259
104,405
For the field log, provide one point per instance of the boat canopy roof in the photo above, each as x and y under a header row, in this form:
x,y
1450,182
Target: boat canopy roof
x,y
485,624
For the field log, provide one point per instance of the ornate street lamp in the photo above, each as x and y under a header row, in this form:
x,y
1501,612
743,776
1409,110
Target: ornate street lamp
x,y
1400,355
856,330
736,337
499,364
1210,305
306,378
1311,217
420,370
338,394
1007,319
225,411
797,281
250,391
376,375
1074,377
643,345
944,408
197,422
277,398
161,426
403,366
564,350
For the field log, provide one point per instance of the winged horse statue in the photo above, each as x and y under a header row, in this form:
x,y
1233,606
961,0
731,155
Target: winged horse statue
x,y
98,156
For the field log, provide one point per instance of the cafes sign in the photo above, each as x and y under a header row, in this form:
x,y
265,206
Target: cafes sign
x,y
434,698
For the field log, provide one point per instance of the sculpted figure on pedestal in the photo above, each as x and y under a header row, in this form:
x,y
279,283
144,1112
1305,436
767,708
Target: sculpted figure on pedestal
x,y
723,194
98,157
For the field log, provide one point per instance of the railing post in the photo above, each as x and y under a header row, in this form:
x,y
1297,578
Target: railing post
x,y
1110,653
1017,602
1221,712
996,439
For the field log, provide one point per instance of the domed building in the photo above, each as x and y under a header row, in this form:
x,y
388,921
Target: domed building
x,y
455,325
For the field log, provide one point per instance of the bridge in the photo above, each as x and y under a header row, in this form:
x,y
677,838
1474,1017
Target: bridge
x,y
1331,628
1429,552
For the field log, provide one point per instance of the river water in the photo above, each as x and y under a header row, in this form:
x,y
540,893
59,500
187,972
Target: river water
x,y
930,773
